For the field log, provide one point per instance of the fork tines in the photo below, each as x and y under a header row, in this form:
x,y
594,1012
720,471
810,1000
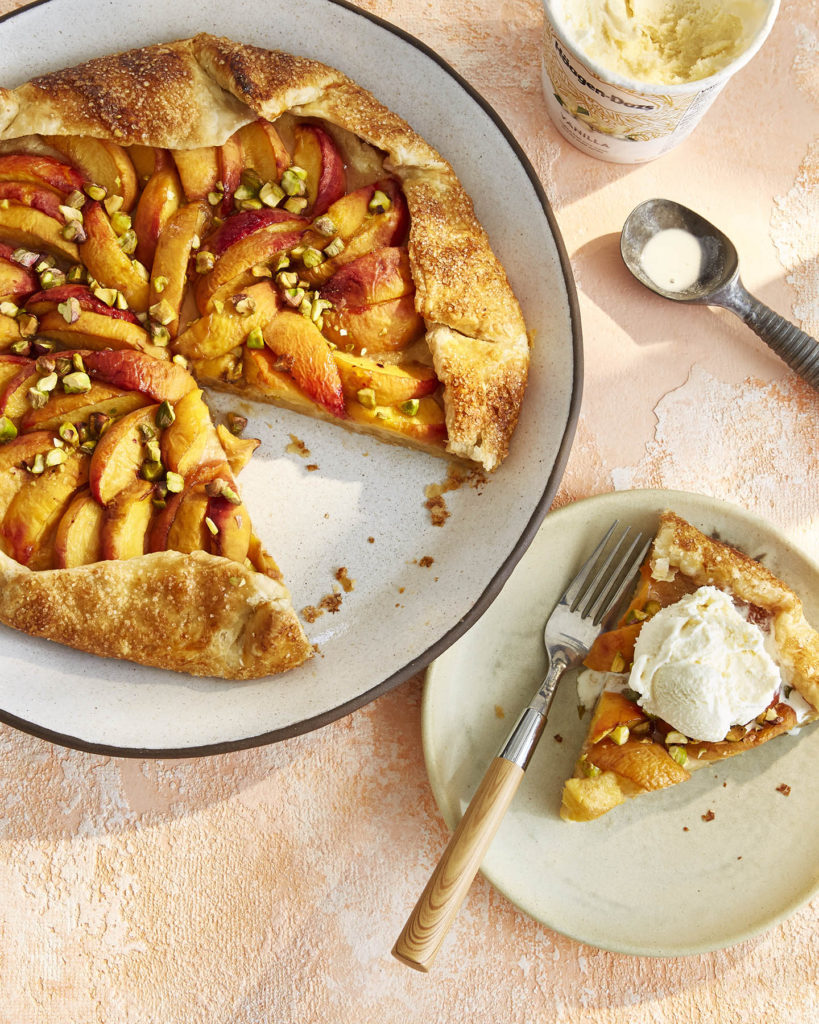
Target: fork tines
x,y
603,578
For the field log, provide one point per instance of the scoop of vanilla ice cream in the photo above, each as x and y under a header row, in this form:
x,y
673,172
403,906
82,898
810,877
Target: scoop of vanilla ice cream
x,y
702,667
664,41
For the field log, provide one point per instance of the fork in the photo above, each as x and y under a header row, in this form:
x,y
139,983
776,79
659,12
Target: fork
x,y
576,620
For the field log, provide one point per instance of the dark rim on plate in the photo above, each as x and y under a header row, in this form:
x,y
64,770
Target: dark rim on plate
x,y
496,583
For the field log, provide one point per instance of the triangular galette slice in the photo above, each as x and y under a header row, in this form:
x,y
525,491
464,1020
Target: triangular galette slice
x,y
272,223
712,658
122,530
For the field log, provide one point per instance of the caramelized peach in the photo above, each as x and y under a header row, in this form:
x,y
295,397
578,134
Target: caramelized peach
x,y
318,155
77,540
159,201
303,352
102,162
40,170
106,261
198,171
119,455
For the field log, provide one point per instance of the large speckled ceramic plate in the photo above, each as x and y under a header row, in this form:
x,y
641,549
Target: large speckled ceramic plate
x,y
364,507
652,876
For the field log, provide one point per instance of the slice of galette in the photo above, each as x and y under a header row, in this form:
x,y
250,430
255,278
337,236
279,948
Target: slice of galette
x,y
267,220
712,658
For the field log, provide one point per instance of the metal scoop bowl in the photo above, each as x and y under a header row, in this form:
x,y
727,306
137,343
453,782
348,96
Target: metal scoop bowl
x,y
718,282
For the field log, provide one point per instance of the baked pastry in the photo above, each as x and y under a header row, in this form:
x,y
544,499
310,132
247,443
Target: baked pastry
x,y
712,658
209,213
339,266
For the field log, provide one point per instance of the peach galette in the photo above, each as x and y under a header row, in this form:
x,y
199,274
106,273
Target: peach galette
x,y
209,213
712,658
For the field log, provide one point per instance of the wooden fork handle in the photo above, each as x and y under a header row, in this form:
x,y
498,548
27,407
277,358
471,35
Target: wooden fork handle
x,y
449,883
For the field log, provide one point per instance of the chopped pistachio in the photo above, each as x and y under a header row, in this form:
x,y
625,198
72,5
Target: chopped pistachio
x,y
121,222
42,345
260,270
219,305
635,615
216,196
292,182
37,398
52,278
380,202
162,312
244,192
37,465
680,755
675,737
175,482
618,663
295,204
128,242
214,529
56,457
73,231
28,324
317,307
45,263
75,199
249,204
271,194
72,213
366,397
75,274
243,304
77,363
652,607
20,348
70,309
68,432
287,279
325,226
251,180
106,295
8,431
410,407
591,771
165,415
76,383
282,263
631,695
619,734
205,262
24,257
121,301
147,432
312,257
181,361
220,488
334,247
306,306
140,270
98,423
45,364
47,383
160,335
236,423
9,308
94,191
87,447
151,470
152,448
255,339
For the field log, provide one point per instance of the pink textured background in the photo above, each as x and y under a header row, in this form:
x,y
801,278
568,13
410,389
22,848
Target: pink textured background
x,y
269,885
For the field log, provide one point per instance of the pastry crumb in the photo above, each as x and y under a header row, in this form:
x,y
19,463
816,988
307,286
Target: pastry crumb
x,y
426,561
686,828
499,712
297,447
311,467
708,816
558,738
371,540
344,579
438,512
310,613
331,602
784,789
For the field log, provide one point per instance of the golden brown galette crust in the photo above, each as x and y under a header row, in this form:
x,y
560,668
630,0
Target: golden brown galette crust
x,y
679,546
194,613
201,90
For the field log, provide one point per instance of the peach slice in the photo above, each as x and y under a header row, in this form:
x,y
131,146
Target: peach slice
x,y
13,455
159,201
377,276
101,161
49,301
390,384
646,764
11,365
77,409
613,709
264,150
40,170
257,247
318,155
237,227
104,258
198,171
119,454
9,332
218,332
14,400
147,159
237,449
27,530
260,371
232,523
191,439
35,230
303,352
126,522
231,161
38,197
171,258
427,426
77,540
180,526
98,331
133,371
383,327
15,281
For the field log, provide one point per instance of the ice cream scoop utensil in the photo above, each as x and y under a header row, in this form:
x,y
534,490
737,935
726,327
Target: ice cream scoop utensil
x,y
575,622
717,283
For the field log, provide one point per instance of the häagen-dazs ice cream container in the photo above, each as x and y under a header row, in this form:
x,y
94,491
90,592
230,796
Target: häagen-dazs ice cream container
x,y
627,80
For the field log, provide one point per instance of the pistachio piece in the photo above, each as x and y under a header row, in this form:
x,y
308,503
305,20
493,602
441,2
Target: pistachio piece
x,y
51,277
20,348
37,465
312,257
9,308
106,295
295,204
153,450
366,397
70,310
410,407
28,324
165,415
181,361
631,695
618,663
75,274
45,364
151,469
8,431
236,423
47,383
243,304
76,383
255,339
619,734
175,482
591,771
94,191
45,263
162,312
680,755
220,488
147,432
260,270
98,423
42,345
334,247
214,529
121,222
77,363
672,736
160,335
74,232
287,279
292,182
36,398
68,432
56,457
380,202
217,195
652,607
24,257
